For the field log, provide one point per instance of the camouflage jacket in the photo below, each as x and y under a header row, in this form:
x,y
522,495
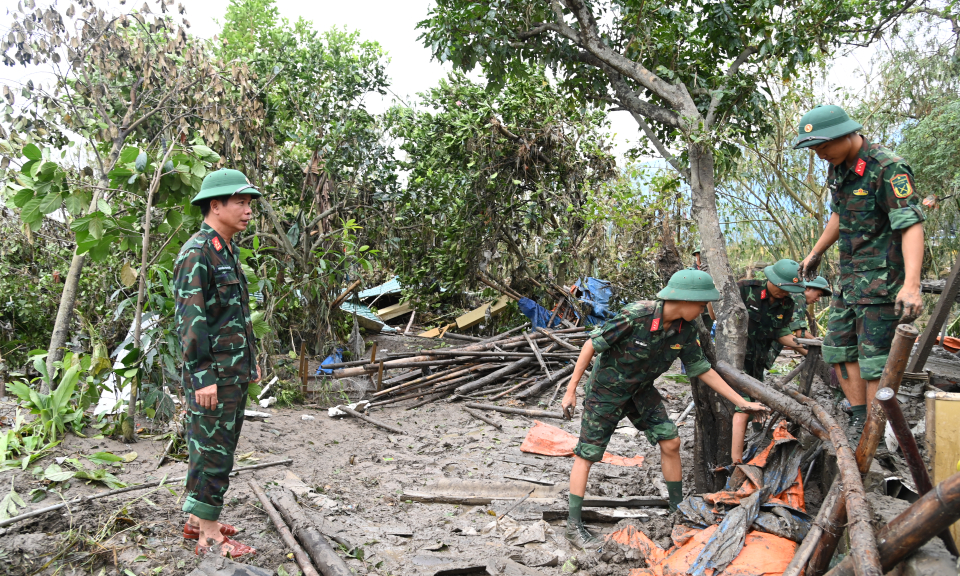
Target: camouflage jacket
x,y
635,349
213,313
799,320
876,201
769,319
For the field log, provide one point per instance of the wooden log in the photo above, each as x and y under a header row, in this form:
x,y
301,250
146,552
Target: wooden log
x,y
933,513
501,288
887,398
521,411
937,319
317,547
406,331
549,334
819,526
108,493
302,559
366,418
806,384
521,384
539,387
480,416
452,372
504,335
536,352
490,378
343,295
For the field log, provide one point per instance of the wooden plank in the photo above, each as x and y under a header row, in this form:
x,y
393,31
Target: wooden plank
x,y
937,318
477,316
391,312
436,331
943,439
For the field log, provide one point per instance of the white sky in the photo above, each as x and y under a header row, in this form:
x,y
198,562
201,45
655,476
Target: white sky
x,y
392,23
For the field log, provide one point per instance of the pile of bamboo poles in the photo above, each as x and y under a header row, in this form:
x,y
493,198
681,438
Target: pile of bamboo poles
x,y
521,363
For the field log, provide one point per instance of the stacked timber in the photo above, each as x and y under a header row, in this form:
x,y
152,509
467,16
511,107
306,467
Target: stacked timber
x,y
518,363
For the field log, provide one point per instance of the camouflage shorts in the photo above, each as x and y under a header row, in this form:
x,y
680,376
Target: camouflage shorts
x,y
601,415
860,333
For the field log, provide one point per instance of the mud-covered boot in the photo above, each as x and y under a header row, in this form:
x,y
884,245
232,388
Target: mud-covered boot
x,y
579,535
855,429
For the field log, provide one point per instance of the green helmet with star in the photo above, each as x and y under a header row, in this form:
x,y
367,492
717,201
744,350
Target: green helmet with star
x,y
822,124
785,274
690,286
225,182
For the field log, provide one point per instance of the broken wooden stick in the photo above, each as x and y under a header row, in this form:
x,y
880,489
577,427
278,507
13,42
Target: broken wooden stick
x,y
559,376
549,334
317,547
490,378
536,352
153,484
520,411
366,418
819,526
479,416
343,295
302,559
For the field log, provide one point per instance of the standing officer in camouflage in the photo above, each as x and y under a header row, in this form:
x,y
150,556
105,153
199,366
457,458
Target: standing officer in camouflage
x,y
770,311
219,353
878,220
636,347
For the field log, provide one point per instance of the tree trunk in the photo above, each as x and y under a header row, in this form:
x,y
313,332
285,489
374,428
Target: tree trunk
x,y
714,415
61,327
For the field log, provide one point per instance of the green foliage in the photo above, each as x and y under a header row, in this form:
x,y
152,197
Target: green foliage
x,y
497,180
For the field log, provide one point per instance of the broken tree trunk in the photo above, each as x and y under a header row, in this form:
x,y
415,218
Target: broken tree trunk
x,y
930,515
302,559
320,551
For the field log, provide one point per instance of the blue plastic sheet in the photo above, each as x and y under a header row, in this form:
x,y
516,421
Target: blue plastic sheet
x,y
538,315
597,293
334,358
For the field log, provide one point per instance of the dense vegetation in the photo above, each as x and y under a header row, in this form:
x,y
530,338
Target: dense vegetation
x,y
511,174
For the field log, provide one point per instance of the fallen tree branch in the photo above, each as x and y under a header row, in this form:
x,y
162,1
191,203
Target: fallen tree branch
x,y
366,418
521,411
302,559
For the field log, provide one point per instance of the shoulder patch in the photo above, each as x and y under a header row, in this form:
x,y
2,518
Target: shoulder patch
x,y
860,167
763,294
883,156
901,186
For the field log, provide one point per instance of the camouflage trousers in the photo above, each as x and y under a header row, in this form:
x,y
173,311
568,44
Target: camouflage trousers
x,y
604,407
212,437
860,333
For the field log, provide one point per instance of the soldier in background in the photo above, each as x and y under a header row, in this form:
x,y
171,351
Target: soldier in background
x,y
770,311
879,223
815,290
219,353
636,347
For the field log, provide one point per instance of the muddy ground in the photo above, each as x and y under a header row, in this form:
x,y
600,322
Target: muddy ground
x,y
358,474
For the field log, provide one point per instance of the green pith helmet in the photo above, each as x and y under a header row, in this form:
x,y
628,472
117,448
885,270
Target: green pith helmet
x,y
697,250
785,274
225,182
690,286
822,124
820,283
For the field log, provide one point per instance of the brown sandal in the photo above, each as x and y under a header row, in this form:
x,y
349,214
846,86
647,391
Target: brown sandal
x,y
191,532
236,549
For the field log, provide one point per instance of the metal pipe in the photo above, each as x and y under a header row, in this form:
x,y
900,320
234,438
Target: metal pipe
x,y
887,398
933,513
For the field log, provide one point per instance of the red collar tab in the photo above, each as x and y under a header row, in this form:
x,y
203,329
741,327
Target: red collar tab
x,y
763,294
217,244
655,325
860,167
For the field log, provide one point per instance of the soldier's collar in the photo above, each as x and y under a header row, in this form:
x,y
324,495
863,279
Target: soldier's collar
x,y
860,166
656,323
218,243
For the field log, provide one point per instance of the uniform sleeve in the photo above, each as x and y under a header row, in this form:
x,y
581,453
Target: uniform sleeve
x,y
784,329
799,320
612,331
898,197
693,359
191,278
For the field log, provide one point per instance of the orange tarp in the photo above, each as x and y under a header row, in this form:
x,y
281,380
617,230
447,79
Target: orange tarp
x,y
549,440
762,555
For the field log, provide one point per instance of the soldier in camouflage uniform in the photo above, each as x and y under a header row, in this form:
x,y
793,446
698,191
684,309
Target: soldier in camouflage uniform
x,y
878,220
219,353
636,347
816,289
770,311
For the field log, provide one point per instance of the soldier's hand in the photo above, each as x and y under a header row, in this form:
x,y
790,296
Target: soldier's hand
x,y
569,404
810,265
755,408
259,377
908,305
207,397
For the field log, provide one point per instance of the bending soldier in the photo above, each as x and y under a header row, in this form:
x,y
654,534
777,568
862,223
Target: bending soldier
x,y
770,311
219,353
879,224
636,347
